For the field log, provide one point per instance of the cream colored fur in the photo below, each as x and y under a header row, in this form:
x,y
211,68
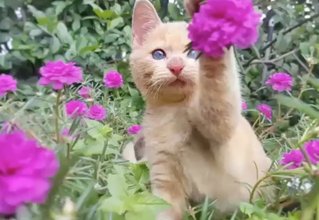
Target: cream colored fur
x,y
197,142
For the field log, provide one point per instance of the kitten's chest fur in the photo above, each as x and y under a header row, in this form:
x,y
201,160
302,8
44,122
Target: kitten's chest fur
x,y
203,162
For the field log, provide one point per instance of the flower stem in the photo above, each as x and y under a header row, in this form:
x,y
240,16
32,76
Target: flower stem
x,y
57,116
117,94
68,152
257,185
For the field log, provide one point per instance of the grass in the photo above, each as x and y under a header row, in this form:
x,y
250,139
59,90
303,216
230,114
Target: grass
x,y
95,183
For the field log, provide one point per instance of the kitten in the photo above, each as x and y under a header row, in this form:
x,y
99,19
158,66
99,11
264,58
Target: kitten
x,y
196,141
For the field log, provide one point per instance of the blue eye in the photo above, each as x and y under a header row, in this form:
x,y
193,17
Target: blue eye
x,y
158,54
192,54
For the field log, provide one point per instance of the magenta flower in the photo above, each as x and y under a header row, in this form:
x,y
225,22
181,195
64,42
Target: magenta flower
x,y
97,112
312,149
7,84
65,133
294,158
75,108
244,106
85,92
280,82
26,169
221,24
59,73
134,129
113,79
265,110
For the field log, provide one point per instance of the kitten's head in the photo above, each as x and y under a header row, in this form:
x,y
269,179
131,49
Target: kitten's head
x,y
161,68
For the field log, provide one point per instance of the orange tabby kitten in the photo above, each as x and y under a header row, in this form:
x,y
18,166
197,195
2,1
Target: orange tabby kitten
x,y
197,143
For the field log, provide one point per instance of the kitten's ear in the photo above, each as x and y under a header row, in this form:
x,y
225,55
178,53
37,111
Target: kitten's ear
x,y
145,18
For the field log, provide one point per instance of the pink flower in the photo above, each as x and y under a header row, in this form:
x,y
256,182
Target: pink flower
x,y
113,79
294,158
58,74
25,171
244,106
7,84
67,135
134,129
221,24
65,132
97,112
280,82
85,92
312,149
265,110
75,108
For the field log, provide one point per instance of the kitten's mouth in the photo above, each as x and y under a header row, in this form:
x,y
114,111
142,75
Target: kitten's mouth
x,y
178,82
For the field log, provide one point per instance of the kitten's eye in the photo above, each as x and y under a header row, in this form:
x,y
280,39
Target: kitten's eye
x,y
192,54
158,54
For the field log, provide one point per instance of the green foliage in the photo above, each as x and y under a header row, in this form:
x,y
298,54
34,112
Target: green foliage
x,y
134,205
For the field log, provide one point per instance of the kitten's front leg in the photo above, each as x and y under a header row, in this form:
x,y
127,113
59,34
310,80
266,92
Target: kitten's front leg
x,y
168,183
216,108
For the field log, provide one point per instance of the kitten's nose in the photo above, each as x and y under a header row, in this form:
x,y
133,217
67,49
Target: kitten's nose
x,y
176,66
176,70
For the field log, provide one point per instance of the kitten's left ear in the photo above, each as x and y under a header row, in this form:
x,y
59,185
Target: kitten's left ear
x,y
145,18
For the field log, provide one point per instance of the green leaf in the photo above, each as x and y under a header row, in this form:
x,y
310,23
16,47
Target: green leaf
x,y
117,185
115,139
90,146
113,204
117,8
76,23
4,37
35,32
63,33
247,209
173,10
88,196
105,14
88,49
144,206
297,104
4,63
5,24
94,128
312,80
60,6
35,12
106,131
55,45
116,22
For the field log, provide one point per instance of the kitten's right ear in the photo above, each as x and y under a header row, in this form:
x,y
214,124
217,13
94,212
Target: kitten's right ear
x,y
145,18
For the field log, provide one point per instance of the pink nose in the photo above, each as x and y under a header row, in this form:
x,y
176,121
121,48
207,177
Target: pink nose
x,y
176,69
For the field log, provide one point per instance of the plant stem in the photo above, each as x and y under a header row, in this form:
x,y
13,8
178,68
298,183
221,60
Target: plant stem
x,y
256,186
270,175
57,116
100,160
117,94
68,152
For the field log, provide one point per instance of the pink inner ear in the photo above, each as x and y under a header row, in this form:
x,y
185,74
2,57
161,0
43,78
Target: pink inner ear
x,y
145,19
